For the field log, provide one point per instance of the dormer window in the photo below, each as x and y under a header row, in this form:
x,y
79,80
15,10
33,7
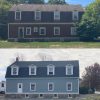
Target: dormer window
x,y
14,70
56,15
32,70
75,15
50,70
17,15
37,15
69,69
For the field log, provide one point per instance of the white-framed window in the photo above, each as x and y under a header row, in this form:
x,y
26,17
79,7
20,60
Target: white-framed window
x,y
69,86
56,30
50,86
75,15
56,15
69,69
35,29
32,86
17,15
14,70
50,70
28,30
42,31
32,70
37,15
73,30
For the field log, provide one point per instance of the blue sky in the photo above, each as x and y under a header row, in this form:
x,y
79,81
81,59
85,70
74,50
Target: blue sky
x,y
82,2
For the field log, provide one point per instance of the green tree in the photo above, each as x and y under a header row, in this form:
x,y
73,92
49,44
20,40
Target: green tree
x,y
36,1
89,26
4,7
56,2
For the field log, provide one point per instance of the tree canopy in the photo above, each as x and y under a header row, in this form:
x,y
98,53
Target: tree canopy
x,y
91,77
89,27
56,2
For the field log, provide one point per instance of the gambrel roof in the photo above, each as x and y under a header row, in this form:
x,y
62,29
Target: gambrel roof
x,y
60,69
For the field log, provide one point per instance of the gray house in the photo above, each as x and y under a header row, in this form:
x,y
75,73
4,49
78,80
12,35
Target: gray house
x,y
43,79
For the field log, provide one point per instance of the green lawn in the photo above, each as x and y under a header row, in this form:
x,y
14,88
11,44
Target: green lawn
x,y
6,44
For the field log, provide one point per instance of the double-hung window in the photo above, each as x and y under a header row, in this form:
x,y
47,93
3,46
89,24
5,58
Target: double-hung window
x,y
42,31
69,69
28,30
75,15
32,70
73,31
50,70
56,30
32,86
14,70
50,86
37,15
69,86
56,15
17,15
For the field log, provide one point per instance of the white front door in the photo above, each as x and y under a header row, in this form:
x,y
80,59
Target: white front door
x,y
20,87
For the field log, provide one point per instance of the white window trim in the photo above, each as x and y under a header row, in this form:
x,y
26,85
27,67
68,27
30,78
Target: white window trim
x,y
52,86
12,70
27,29
44,30
67,69
55,29
18,86
35,29
73,16
50,66
67,86
55,14
20,15
32,66
72,31
36,17
30,86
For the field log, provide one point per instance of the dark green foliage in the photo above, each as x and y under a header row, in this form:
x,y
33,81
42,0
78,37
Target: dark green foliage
x,y
56,2
85,90
89,26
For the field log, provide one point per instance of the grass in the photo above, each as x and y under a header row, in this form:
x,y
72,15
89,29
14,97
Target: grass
x,y
6,44
93,97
